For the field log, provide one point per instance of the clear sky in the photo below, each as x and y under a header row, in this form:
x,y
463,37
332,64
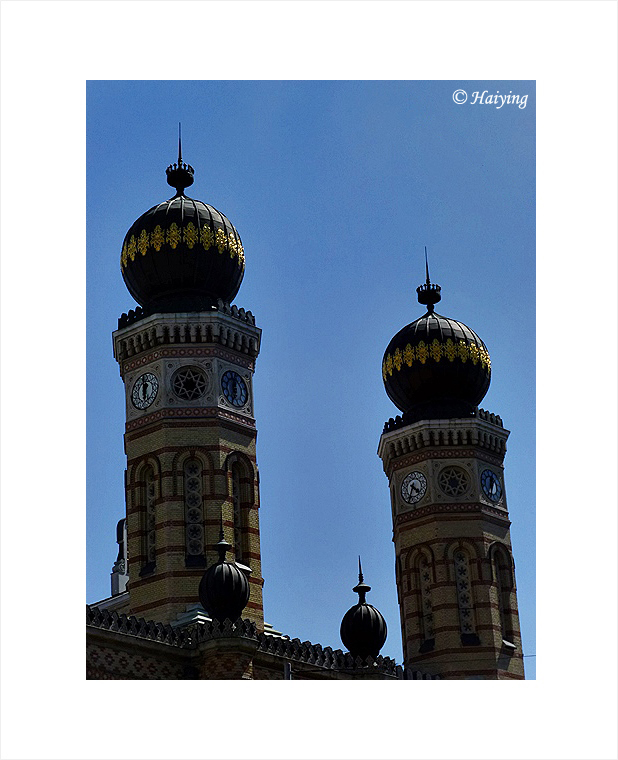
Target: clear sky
x,y
335,189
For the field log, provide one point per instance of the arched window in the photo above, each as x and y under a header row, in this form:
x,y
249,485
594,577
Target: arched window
x,y
239,538
149,532
194,513
504,585
465,599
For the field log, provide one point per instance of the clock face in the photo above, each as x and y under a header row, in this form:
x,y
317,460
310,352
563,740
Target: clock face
x,y
413,487
490,483
234,388
144,390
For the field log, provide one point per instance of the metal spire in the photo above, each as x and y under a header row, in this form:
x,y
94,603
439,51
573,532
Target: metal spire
x,y
428,294
223,545
362,588
179,175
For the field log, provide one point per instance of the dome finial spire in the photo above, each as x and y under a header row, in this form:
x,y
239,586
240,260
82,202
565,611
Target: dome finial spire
x,y
179,176
428,294
362,587
363,629
223,545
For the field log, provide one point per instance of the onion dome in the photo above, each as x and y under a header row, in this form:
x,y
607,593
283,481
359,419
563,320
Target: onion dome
x,y
363,629
436,367
182,254
224,588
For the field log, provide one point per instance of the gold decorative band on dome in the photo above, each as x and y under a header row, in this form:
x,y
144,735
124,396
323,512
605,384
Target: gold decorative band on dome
x,y
173,235
449,350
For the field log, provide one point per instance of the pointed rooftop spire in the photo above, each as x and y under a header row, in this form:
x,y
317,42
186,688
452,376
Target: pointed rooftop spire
x,y
223,545
428,294
179,176
362,588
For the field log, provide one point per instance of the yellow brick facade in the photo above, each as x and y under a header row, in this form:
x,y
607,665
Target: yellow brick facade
x,y
442,542
218,443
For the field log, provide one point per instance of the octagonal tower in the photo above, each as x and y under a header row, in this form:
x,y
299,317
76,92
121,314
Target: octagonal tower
x,y
187,359
444,459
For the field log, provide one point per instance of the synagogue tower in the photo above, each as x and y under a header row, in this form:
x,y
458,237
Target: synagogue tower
x,y
187,360
444,457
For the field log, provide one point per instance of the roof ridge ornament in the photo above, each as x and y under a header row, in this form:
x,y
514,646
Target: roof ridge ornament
x,y
428,294
363,628
180,175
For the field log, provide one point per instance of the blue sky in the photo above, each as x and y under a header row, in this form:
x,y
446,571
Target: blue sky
x,y
335,189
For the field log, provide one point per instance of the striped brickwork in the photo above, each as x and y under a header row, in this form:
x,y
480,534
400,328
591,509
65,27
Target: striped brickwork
x,y
454,568
161,442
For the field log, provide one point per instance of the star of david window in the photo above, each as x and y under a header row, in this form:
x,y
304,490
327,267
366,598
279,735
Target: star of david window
x,y
189,383
453,481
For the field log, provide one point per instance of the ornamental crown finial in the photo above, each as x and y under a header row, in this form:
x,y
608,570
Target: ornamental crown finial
x,y
428,294
180,176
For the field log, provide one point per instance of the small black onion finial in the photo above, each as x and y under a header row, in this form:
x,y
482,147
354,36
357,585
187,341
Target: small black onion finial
x,y
179,176
428,294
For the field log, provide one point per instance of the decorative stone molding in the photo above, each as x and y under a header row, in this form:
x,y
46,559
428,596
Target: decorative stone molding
x,y
481,431
226,325
131,626
291,650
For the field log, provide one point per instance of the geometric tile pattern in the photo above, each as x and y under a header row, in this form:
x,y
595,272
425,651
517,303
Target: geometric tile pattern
x,y
102,662
464,593
151,536
193,508
427,616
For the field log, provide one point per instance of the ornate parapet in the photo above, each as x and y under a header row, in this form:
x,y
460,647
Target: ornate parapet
x,y
139,628
485,431
206,646
228,326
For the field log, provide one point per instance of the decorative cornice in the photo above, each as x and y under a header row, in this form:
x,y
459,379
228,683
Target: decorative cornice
x,y
450,508
198,353
291,650
131,626
437,454
190,413
227,326
441,437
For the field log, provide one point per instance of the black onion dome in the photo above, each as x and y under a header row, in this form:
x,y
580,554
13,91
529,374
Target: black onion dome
x,y
363,629
224,588
436,367
182,254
